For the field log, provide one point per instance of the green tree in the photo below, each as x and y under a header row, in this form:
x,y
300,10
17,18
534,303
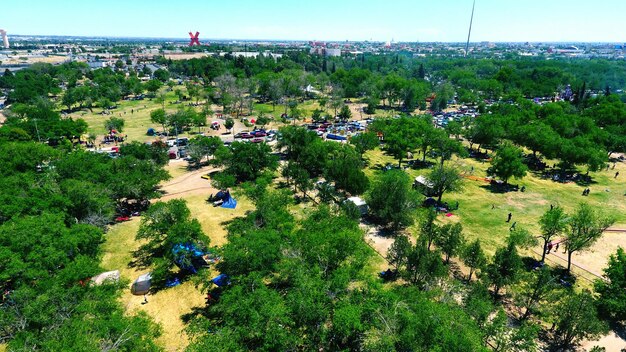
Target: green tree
x,y
164,226
474,257
345,113
159,116
423,265
586,226
114,123
450,239
229,123
104,103
508,162
479,305
445,179
364,142
246,161
391,199
576,319
400,137
502,337
504,268
344,168
535,288
553,223
612,291
428,229
156,152
201,148
153,86
398,252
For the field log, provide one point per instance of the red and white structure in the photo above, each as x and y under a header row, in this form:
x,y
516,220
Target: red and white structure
x,y
194,39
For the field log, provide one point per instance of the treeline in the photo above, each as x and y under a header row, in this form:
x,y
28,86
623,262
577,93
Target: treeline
x,y
301,285
56,205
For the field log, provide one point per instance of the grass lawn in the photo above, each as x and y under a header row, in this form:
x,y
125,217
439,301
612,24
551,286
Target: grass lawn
x,y
136,115
484,213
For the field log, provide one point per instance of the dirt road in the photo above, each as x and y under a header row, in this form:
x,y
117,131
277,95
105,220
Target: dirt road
x,y
188,183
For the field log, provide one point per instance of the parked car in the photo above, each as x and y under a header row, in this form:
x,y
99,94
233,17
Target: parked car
x,y
244,135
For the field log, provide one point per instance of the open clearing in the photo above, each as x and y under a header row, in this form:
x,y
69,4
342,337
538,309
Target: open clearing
x,y
167,306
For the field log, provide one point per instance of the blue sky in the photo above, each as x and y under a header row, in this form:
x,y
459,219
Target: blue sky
x,y
380,20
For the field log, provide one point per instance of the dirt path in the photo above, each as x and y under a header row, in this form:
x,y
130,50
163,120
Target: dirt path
x,y
190,183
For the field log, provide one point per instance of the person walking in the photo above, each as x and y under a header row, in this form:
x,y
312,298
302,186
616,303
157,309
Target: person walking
x,y
509,218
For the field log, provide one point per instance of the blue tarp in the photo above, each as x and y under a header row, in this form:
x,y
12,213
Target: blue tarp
x,y
229,203
221,280
172,282
336,137
184,255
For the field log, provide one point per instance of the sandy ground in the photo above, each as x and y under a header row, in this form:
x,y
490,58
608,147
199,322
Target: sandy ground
x,y
185,56
611,342
188,183
15,60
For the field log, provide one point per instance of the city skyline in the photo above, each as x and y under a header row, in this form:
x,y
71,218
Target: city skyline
x,y
404,21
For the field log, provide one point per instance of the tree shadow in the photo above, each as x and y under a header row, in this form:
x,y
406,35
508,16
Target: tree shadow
x,y
420,164
386,167
478,155
282,185
196,312
455,269
500,188
141,259
619,329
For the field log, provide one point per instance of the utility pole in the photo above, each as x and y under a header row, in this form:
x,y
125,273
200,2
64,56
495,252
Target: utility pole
x,y
470,29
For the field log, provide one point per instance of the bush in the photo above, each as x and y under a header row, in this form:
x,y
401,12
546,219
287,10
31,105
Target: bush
x,y
224,180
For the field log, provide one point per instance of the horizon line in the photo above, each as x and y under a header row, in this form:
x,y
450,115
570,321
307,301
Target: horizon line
x,y
183,39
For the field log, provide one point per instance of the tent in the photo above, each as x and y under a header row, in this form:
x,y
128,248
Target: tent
x,y
224,199
423,181
188,257
221,280
229,202
360,203
109,276
151,132
141,286
424,185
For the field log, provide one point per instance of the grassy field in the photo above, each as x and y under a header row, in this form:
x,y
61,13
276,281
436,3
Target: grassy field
x,y
483,213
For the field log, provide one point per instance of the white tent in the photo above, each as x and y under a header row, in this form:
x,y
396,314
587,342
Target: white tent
x,y
360,203
141,286
109,276
423,181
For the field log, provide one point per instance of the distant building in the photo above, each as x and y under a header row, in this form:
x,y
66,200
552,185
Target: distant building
x,y
332,52
254,54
